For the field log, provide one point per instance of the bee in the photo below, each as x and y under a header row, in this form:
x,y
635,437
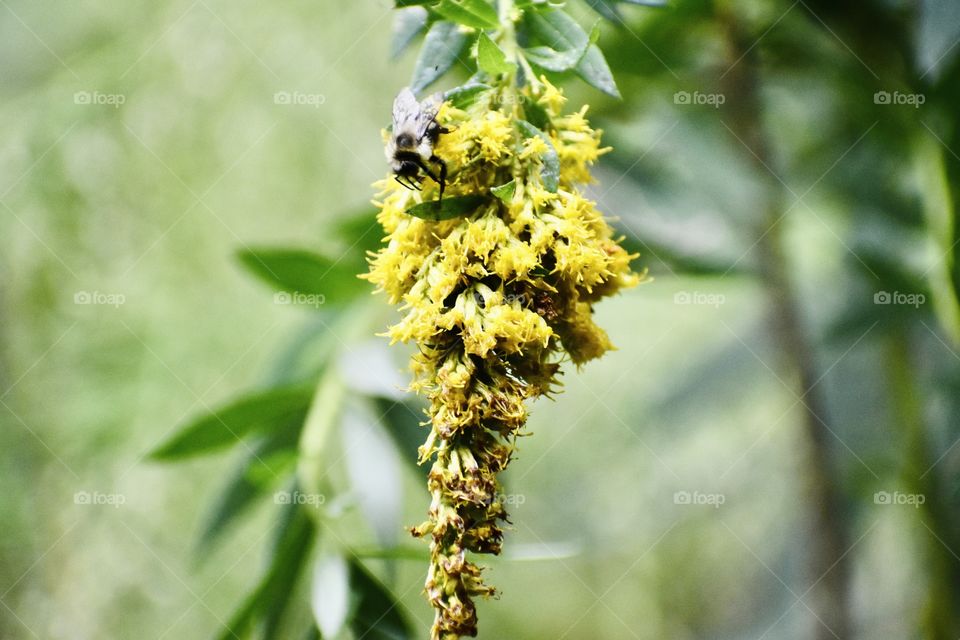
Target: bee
x,y
415,132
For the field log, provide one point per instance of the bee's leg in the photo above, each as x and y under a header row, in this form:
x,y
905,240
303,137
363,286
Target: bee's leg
x,y
408,182
431,174
443,173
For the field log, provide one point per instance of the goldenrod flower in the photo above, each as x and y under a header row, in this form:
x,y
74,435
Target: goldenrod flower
x,y
495,301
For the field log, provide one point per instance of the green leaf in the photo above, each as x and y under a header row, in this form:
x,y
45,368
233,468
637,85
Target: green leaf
x,y
939,207
447,208
402,421
595,71
536,114
441,48
407,25
318,429
550,173
553,60
491,58
478,14
556,29
505,191
463,96
565,40
377,613
608,8
360,232
258,412
268,602
242,490
290,552
399,4
304,277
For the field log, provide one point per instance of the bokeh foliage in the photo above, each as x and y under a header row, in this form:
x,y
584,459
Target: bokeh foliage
x,y
202,171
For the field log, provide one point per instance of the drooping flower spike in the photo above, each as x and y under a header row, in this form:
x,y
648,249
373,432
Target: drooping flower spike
x,y
495,300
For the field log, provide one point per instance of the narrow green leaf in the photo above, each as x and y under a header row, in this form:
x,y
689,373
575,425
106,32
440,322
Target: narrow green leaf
x,y
377,615
269,600
399,4
550,173
401,419
536,114
441,48
463,96
939,208
258,412
315,437
408,23
243,490
303,277
491,58
291,550
447,208
557,30
565,41
505,191
359,232
609,10
595,32
553,60
478,14
595,71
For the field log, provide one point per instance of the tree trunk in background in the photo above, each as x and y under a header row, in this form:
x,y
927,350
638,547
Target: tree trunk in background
x,y
829,567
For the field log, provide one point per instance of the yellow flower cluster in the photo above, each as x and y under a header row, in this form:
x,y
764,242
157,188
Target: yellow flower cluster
x,y
495,300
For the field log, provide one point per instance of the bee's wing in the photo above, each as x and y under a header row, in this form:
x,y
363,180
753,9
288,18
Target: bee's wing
x,y
406,111
427,112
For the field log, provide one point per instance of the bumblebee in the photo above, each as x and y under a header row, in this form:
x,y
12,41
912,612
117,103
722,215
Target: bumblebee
x,y
415,133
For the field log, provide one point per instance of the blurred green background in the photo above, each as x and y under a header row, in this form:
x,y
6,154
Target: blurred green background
x,y
769,454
